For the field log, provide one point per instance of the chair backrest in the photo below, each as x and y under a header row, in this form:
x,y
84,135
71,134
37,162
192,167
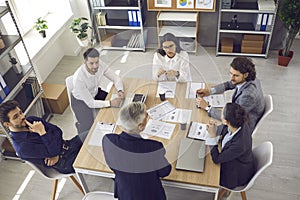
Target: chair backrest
x,y
268,110
97,195
47,172
263,156
70,86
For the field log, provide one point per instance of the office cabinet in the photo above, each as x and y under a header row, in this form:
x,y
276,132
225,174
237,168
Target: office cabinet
x,y
184,25
118,24
249,24
18,82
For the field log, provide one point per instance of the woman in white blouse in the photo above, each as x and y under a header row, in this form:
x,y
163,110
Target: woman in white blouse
x,y
170,62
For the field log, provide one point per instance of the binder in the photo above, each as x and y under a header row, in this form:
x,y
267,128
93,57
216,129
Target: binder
x,y
139,18
264,22
257,22
4,86
134,18
103,18
269,24
130,18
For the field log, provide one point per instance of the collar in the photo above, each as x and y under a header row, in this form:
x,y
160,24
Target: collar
x,y
85,71
239,86
232,134
171,59
130,136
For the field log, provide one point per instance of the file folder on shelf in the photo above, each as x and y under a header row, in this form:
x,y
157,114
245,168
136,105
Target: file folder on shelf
x,y
257,22
134,18
269,24
4,86
264,22
130,18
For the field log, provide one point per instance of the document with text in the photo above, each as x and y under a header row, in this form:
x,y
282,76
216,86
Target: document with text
x,y
168,87
191,89
100,130
159,129
160,110
178,116
197,131
215,100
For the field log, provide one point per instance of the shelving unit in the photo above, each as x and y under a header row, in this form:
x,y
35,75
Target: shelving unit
x,y
114,31
247,13
17,82
181,24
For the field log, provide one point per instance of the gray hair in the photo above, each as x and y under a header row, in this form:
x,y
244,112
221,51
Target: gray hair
x,y
132,115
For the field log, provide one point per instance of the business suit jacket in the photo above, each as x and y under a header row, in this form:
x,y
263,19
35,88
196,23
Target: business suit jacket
x,y
250,97
138,165
236,158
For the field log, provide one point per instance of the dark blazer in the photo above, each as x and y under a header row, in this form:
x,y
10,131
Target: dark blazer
x,y
236,158
250,97
138,165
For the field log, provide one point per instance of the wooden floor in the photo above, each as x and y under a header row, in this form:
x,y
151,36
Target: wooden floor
x,y
279,182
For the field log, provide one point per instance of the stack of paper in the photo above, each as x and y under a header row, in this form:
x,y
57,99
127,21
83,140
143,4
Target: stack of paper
x,y
266,5
159,129
191,89
168,87
100,130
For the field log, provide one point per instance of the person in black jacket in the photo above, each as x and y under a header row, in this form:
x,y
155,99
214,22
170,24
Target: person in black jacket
x,y
137,163
236,157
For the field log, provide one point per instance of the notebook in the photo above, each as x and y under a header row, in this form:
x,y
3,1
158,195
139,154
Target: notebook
x,y
191,155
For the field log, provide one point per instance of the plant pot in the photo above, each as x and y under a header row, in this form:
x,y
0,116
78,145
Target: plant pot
x,y
84,42
283,60
43,33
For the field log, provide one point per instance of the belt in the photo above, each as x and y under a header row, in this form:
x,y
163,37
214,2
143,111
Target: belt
x,y
65,147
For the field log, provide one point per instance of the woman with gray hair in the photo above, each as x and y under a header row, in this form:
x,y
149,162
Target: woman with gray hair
x,y
137,163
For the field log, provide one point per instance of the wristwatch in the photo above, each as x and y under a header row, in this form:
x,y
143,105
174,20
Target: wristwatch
x,y
208,108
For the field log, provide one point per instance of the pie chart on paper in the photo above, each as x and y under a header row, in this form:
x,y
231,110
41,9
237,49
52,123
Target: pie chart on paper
x,y
182,2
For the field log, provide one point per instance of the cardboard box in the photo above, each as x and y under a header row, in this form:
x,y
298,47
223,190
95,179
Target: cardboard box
x,y
253,37
252,43
226,45
57,97
246,49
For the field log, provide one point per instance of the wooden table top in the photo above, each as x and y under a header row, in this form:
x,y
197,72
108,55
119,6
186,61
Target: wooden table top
x,y
92,157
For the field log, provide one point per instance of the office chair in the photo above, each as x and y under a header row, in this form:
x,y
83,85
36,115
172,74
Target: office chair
x,y
52,174
97,195
69,85
267,111
263,156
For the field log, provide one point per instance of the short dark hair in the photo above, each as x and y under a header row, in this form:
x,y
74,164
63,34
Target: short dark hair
x,y
168,37
91,52
244,65
5,108
235,114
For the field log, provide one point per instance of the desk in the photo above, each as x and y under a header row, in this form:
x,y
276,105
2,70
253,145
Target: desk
x,y
90,159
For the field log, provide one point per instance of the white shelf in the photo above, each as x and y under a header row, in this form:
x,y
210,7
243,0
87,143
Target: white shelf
x,y
177,16
121,27
178,31
246,11
246,32
241,54
116,8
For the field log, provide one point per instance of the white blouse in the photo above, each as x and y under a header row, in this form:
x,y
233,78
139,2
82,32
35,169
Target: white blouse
x,y
180,62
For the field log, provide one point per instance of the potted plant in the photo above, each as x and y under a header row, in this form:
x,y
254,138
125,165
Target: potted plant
x,y
289,14
80,26
41,25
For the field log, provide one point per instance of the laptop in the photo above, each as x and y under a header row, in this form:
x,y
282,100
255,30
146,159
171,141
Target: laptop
x,y
191,155
138,97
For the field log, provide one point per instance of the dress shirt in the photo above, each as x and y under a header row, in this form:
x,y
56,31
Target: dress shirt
x,y
229,136
180,62
86,85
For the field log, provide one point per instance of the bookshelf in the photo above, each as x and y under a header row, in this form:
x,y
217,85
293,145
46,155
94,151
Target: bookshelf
x,y
118,24
18,82
248,25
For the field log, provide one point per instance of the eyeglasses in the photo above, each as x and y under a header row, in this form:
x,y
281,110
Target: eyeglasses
x,y
169,47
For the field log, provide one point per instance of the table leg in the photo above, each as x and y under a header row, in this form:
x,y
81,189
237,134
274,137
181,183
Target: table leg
x,y
82,182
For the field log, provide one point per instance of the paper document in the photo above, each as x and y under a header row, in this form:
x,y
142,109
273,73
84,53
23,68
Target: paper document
x,y
191,89
168,87
197,131
100,130
160,110
178,115
215,100
126,101
159,129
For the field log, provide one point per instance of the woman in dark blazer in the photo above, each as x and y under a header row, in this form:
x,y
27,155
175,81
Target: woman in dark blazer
x,y
235,157
138,163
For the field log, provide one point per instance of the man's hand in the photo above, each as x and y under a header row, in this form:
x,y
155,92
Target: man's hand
x,y
51,161
160,72
171,73
211,128
203,92
37,127
116,102
201,103
121,94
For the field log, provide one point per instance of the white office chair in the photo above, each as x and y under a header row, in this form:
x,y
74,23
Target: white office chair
x,y
268,110
52,174
69,85
99,196
263,157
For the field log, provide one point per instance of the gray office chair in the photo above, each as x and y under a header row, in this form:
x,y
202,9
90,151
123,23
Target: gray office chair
x,y
97,195
268,110
52,174
69,85
263,157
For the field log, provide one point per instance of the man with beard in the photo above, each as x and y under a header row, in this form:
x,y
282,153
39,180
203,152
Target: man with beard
x,y
38,141
248,93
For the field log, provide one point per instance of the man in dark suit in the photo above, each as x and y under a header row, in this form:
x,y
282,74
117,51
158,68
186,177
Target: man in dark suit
x,y
137,163
248,92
